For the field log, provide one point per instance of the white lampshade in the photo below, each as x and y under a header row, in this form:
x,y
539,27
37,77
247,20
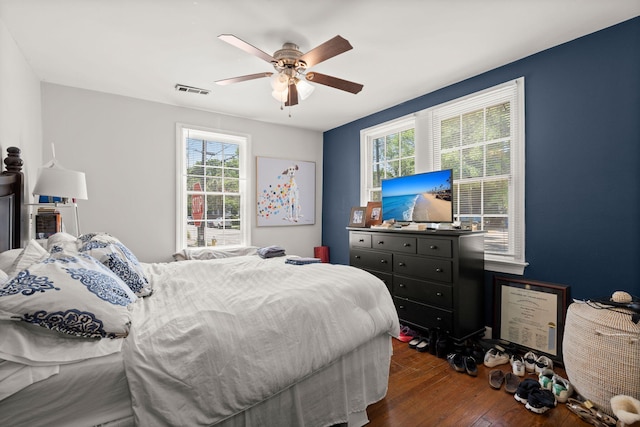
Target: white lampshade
x,y
56,181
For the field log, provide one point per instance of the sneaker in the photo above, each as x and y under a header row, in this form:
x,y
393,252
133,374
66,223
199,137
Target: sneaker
x,y
542,363
456,361
517,365
471,366
530,361
495,357
561,388
540,401
545,378
525,388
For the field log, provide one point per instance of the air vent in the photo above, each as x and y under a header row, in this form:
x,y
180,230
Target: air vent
x,y
191,89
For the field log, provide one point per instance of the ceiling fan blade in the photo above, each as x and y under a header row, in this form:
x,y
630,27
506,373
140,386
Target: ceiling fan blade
x,y
243,78
241,44
326,50
334,82
292,97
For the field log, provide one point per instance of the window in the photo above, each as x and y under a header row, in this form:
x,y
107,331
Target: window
x,y
211,190
389,152
480,137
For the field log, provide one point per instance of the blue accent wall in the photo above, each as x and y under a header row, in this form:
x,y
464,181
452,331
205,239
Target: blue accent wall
x,y
582,106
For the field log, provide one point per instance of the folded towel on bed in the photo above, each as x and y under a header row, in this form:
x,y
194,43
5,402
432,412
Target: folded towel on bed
x,y
271,251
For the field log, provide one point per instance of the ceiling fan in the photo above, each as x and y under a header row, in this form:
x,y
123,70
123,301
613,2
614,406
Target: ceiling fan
x,y
292,68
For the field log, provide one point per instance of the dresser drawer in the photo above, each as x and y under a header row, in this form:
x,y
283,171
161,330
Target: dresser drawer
x,y
359,240
426,268
371,260
402,244
435,247
421,291
424,315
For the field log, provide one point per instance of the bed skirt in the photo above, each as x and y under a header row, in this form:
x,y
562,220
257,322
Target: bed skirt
x,y
338,393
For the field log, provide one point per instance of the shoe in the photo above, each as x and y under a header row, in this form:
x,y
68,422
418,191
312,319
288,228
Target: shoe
x,y
525,388
442,347
589,414
495,357
470,366
530,361
415,341
511,382
423,345
456,361
433,339
561,388
517,365
496,378
542,363
540,401
545,378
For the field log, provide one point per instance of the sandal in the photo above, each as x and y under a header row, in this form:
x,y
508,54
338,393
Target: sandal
x,y
589,413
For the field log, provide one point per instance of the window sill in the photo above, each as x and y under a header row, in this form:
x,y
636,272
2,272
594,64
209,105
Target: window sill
x,y
504,266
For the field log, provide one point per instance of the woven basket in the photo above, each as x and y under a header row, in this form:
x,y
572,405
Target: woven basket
x,y
601,353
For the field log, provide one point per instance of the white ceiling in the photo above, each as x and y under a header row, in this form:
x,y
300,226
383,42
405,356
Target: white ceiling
x,y
402,49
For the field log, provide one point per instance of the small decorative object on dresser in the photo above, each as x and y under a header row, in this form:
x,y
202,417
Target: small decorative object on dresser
x,y
357,218
374,214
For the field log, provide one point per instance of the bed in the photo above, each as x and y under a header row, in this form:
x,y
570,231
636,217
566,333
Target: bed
x,y
232,341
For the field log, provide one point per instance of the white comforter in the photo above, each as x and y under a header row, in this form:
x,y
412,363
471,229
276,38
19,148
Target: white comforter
x,y
219,336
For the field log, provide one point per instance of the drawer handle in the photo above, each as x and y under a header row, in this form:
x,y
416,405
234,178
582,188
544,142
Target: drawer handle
x,y
383,261
381,242
401,307
438,294
357,256
361,240
439,270
406,245
439,319
402,285
434,247
401,264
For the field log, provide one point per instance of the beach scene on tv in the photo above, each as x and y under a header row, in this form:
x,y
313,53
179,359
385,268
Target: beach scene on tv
x,y
423,197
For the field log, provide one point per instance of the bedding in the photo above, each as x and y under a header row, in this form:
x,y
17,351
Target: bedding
x,y
260,326
219,342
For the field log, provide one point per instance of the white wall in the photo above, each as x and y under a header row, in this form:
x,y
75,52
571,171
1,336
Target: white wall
x,y
127,149
20,108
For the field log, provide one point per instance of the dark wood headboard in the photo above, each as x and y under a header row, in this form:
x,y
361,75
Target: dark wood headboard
x,y
11,201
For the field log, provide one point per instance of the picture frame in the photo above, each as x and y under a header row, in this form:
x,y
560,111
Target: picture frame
x,y
531,315
358,217
373,214
286,192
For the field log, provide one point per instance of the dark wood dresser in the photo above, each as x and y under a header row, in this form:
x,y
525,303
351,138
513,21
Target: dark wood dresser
x,y
436,278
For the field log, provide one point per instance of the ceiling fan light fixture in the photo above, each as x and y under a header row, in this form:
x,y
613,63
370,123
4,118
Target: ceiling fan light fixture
x,y
280,96
279,82
304,89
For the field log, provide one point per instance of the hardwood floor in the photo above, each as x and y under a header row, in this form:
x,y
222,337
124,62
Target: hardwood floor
x,y
425,391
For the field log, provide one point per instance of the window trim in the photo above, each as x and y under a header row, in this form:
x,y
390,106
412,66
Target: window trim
x,y
244,142
366,138
422,122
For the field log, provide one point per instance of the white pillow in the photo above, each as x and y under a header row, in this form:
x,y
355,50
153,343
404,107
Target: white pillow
x,y
70,293
8,258
3,277
63,240
32,253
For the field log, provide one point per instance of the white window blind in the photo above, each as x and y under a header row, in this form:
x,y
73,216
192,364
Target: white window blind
x,y
481,137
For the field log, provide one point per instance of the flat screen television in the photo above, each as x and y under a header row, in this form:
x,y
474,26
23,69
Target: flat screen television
x,y
423,197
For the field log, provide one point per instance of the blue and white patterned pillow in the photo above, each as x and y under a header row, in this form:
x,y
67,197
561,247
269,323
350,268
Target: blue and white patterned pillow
x,y
118,258
70,293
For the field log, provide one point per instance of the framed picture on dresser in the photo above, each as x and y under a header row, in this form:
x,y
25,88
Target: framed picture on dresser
x,y
358,217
